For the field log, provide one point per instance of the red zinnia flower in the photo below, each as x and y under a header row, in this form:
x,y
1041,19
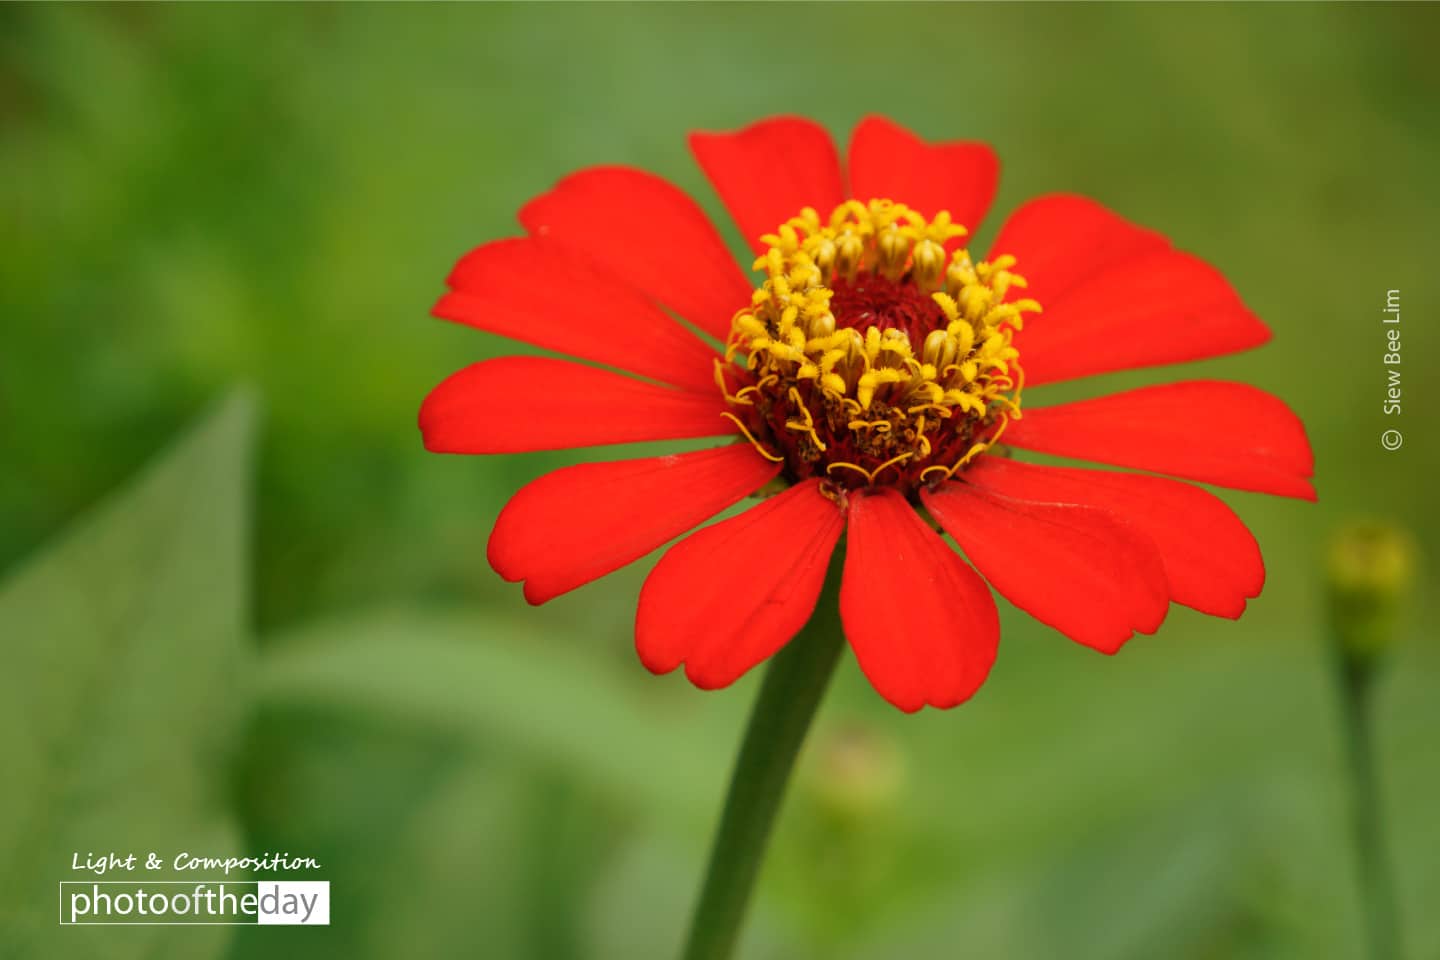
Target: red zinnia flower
x,y
869,376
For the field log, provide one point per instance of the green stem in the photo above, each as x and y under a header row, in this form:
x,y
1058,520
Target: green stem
x,y
794,683
1381,919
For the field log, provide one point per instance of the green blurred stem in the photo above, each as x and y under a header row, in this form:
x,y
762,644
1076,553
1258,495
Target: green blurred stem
x,y
795,682
1357,676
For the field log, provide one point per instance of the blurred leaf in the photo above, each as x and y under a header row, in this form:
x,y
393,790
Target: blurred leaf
x,y
495,682
344,793
642,902
428,846
1162,887
120,700
506,860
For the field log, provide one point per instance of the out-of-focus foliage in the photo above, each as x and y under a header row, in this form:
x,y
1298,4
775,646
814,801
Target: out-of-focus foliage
x,y
195,196
121,703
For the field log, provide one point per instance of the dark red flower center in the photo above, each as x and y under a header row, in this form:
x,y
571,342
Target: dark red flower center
x,y
873,301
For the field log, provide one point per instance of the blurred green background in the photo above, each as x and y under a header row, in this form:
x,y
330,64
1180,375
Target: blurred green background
x,y
285,635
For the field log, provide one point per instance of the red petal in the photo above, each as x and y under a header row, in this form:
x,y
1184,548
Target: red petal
x,y
1063,239
1211,559
767,172
886,160
580,523
922,624
648,233
732,594
535,292
1078,569
1161,307
1230,434
519,404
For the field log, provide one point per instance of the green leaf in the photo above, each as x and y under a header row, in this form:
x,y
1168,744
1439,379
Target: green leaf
x,y
1167,885
495,682
422,842
642,903
120,702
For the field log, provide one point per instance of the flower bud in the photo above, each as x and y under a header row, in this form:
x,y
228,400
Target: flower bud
x,y
856,774
1369,570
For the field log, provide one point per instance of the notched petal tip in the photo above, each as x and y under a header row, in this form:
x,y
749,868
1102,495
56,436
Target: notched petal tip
x,y
767,172
887,160
1211,560
650,234
1170,428
922,623
580,523
732,594
524,404
1083,571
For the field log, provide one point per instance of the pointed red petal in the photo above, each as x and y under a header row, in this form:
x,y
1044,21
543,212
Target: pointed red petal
x,y
888,161
534,292
734,593
1078,569
580,523
648,233
922,623
767,172
1212,561
1063,239
1157,308
1229,434
519,404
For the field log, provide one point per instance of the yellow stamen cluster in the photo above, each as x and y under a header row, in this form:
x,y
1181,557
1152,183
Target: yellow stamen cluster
x,y
918,363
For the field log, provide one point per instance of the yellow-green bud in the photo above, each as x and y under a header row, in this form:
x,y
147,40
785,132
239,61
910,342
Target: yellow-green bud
x,y
1369,569
856,773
